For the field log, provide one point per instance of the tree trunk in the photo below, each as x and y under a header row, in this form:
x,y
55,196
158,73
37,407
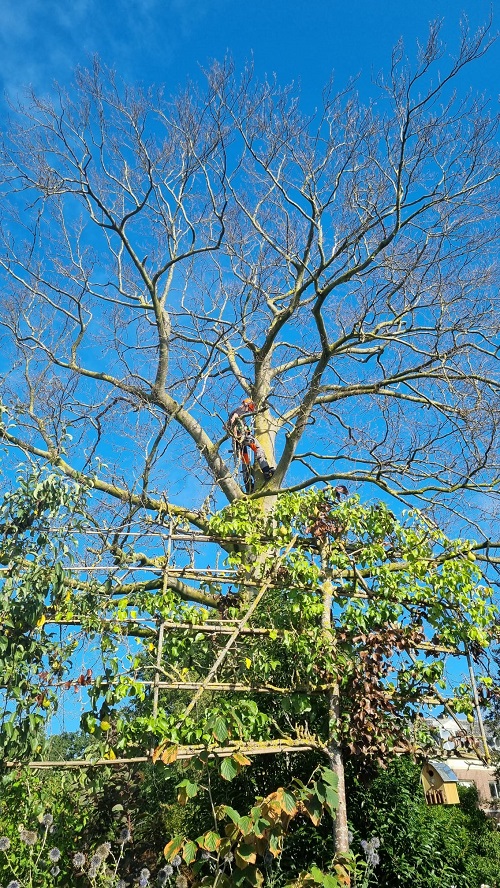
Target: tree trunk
x,y
333,746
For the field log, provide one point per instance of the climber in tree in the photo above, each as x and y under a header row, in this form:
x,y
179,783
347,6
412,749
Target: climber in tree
x,y
243,441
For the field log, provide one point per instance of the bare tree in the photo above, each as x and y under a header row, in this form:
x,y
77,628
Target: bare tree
x,y
165,257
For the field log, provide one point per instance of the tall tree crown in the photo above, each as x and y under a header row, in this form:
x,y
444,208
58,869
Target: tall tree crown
x,y
164,257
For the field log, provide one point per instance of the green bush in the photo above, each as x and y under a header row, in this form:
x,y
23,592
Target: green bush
x,y
422,846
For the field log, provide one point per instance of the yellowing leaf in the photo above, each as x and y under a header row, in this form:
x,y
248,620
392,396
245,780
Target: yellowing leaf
x,y
248,662
241,759
41,621
173,847
209,841
170,754
105,726
244,855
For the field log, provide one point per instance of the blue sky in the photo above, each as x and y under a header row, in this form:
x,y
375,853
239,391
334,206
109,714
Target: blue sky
x,y
164,41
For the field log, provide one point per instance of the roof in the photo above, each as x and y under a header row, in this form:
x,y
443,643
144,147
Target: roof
x,y
444,772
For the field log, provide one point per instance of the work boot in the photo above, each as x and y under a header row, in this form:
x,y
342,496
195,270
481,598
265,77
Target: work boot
x,y
268,473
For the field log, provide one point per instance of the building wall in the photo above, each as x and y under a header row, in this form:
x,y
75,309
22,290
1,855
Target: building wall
x,y
474,771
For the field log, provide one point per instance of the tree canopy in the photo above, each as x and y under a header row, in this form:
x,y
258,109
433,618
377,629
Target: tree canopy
x,y
165,256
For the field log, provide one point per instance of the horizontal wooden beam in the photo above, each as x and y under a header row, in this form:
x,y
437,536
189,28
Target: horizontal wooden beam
x,y
221,629
272,747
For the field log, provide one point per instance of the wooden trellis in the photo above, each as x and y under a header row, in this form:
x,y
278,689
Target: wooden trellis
x,y
233,629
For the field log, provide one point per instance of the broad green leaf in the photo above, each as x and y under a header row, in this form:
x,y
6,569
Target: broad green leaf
x,y
229,769
230,812
189,852
220,730
289,804
332,799
330,881
330,777
314,808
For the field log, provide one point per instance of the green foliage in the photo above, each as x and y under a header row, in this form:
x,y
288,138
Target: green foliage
x,y
33,584
432,847
230,852
383,583
42,811
389,582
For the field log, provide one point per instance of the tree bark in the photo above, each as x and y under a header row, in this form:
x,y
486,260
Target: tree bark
x,y
334,749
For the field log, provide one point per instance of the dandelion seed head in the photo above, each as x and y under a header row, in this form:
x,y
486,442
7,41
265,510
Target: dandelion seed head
x,y
176,861
79,859
125,835
145,874
54,855
4,843
14,884
55,871
47,820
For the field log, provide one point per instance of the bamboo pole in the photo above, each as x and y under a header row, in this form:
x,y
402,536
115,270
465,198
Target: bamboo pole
x,y
184,752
